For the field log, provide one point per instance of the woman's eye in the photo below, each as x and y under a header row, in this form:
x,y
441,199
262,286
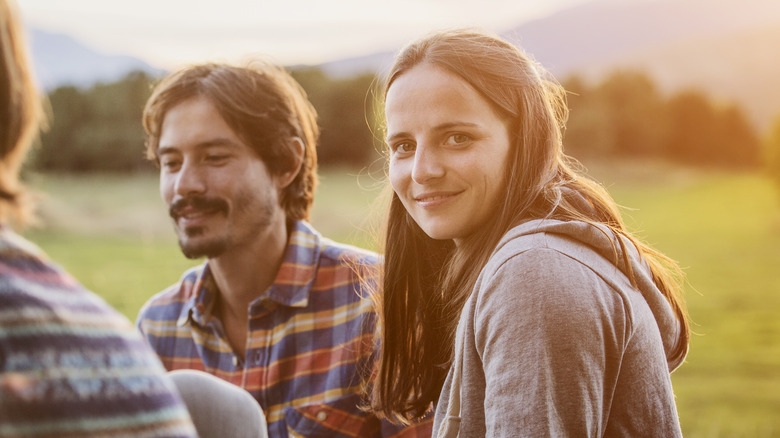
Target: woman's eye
x,y
457,139
403,148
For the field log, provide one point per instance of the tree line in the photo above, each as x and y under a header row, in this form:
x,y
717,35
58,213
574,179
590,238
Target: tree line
x,y
625,115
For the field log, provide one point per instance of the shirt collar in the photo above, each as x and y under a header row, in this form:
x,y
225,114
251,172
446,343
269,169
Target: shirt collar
x,y
198,285
295,277
291,287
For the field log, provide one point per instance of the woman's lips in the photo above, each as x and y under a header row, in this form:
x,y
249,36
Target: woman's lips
x,y
433,199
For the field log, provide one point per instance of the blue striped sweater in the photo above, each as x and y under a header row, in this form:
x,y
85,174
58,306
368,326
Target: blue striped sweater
x,y
70,365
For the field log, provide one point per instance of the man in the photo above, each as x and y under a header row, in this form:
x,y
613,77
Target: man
x,y
276,308
70,365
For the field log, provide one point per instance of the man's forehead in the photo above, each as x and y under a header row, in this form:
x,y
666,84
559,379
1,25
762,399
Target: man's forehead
x,y
218,142
196,121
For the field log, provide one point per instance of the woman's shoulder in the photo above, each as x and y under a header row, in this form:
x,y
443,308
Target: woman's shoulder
x,y
535,241
530,269
546,263
592,245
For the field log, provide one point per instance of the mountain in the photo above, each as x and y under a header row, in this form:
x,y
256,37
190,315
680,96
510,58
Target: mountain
x,y
604,32
742,67
727,48
374,63
61,60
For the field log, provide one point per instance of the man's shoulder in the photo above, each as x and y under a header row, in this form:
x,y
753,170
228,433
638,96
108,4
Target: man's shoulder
x,y
343,253
330,251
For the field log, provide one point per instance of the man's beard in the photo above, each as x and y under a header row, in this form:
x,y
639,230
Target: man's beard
x,y
221,243
209,248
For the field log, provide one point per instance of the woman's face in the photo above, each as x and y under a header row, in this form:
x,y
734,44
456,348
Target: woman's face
x,y
448,150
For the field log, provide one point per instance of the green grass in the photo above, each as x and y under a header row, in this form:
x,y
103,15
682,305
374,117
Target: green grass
x,y
125,271
723,228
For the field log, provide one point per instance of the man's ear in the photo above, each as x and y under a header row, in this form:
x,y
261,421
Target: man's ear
x,y
296,161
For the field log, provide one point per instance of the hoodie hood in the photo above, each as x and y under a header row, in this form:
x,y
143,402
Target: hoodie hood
x,y
600,239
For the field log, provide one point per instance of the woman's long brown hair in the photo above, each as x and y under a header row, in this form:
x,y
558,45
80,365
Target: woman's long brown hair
x,y
426,282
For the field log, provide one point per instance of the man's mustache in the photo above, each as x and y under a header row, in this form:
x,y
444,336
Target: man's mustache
x,y
198,203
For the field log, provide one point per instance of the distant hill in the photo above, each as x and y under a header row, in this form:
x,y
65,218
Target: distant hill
x,y
604,32
727,48
61,60
743,67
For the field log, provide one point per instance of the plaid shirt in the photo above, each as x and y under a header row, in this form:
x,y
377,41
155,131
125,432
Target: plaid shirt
x,y
309,343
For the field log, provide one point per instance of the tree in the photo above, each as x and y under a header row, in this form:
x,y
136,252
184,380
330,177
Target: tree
x,y
703,134
345,108
635,114
737,145
624,115
96,129
691,133
69,112
772,153
588,133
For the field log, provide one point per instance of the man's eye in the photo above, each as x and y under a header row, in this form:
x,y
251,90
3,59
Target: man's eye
x,y
169,164
216,158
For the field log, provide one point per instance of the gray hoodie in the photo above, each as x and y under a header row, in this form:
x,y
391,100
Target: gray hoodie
x,y
555,341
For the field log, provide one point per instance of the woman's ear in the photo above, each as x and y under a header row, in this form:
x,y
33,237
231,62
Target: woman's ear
x,y
296,161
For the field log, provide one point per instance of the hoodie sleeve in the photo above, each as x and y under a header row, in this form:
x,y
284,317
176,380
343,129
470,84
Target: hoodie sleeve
x,y
550,335
555,340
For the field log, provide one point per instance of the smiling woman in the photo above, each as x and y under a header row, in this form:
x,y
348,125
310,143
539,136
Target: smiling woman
x,y
437,124
513,298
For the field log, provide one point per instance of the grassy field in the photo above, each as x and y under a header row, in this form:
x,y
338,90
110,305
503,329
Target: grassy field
x,y
723,228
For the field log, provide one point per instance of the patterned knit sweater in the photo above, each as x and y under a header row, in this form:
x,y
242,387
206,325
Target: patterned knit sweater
x,y
70,365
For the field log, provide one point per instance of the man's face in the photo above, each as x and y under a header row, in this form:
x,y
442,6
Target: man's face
x,y
220,194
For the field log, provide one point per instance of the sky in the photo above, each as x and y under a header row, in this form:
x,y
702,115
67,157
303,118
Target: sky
x,y
172,33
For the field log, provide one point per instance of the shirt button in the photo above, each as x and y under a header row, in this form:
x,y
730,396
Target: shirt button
x,y
235,361
322,415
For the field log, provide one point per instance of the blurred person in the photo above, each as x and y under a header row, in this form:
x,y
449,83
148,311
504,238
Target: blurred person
x,y
513,296
70,365
276,308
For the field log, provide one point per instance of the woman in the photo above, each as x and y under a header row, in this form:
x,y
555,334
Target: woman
x,y
514,298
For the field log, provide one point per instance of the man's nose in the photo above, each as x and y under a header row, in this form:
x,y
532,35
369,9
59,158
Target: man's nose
x,y
190,179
